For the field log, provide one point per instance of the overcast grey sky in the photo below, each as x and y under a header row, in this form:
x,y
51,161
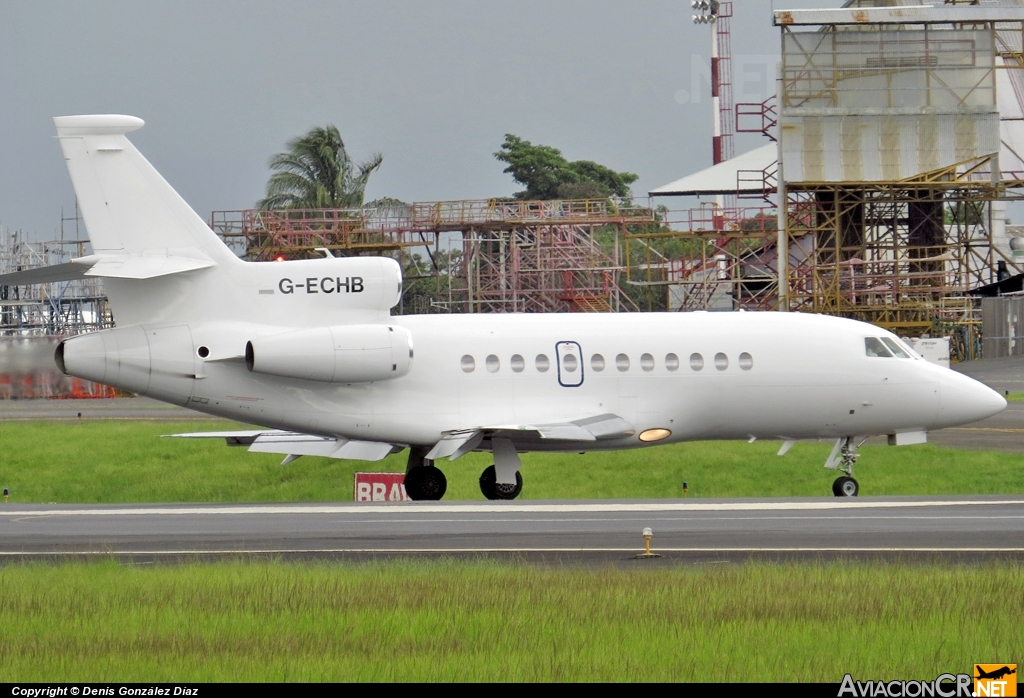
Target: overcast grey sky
x,y
432,85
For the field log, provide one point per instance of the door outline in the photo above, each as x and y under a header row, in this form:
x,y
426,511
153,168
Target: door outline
x,y
558,362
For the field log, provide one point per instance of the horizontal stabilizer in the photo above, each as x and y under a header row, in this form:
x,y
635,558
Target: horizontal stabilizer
x,y
44,275
145,266
455,444
295,444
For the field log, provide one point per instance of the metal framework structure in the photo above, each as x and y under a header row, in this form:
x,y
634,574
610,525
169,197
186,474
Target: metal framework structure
x,y
893,196
33,319
706,258
486,255
56,309
895,227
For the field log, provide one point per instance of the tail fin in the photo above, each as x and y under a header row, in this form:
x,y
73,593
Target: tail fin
x,y
128,208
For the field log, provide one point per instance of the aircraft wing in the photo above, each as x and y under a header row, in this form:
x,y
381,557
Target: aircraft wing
x,y
294,444
455,444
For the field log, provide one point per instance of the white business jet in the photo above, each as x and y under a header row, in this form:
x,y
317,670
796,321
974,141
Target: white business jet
x,y
310,350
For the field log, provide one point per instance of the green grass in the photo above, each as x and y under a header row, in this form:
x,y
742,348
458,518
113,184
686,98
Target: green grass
x,y
484,621
1014,397
121,461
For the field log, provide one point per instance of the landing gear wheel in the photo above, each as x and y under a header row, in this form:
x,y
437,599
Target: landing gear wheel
x,y
425,483
845,487
492,490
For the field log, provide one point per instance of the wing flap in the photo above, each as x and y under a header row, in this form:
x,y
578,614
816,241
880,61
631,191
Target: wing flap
x,y
295,444
455,444
233,438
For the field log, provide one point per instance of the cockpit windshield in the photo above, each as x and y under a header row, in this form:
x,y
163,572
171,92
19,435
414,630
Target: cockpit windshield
x,y
886,347
873,347
896,349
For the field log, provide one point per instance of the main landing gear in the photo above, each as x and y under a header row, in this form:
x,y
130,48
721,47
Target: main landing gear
x,y
492,490
502,480
843,456
422,480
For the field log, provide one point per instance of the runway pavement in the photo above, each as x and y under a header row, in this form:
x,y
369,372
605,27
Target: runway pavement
x,y
950,528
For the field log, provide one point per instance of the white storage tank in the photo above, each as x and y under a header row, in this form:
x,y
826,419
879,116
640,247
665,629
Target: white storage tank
x,y
933,349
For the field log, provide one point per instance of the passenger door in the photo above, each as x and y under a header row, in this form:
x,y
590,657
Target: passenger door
x,y
570,364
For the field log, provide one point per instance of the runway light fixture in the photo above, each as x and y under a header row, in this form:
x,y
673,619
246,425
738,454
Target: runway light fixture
x,y
648,534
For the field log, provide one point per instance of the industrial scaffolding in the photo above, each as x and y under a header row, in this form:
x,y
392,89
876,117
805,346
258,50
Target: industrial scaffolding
x,y
54,309
489,255
899,135
34,319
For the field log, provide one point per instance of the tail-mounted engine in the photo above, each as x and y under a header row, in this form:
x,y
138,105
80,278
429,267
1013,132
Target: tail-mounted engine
x,y
341,354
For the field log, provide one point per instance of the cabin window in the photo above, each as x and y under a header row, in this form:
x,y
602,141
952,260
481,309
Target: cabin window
x,y
671,362
622,362
570,363
874,348
721,361
647,362
597,362
542,363
746,361
896,349
696,362
468,364
493,364
517,363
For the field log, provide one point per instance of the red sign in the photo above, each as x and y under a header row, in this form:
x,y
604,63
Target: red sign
x,y
380,487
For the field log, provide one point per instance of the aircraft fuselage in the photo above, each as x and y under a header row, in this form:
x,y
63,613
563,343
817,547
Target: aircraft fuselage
x,y
697,375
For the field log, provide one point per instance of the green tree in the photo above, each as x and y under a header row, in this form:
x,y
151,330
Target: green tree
x,y
317,172
546,173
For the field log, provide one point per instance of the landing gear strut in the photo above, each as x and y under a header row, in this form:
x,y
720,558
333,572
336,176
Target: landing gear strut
x,y
502,480
843,456
422,480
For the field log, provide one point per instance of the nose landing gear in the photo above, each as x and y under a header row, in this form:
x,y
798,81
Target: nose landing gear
x,y
845,487
843,456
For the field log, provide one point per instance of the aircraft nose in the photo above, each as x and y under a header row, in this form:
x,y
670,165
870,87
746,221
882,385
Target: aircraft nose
x,y
965,400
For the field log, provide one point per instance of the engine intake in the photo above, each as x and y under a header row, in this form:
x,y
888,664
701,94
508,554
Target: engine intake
x,y
341,354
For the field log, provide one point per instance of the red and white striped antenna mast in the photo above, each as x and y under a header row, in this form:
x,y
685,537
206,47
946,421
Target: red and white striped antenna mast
x,y
718,14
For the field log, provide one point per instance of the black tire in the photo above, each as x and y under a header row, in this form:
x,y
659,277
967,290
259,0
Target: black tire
x,y
425,483
492,490
845,487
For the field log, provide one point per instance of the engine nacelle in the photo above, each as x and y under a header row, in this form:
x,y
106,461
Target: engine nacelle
x,y
340,354
154,361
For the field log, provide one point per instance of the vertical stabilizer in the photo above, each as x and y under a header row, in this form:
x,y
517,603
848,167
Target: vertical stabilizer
x,y
128,208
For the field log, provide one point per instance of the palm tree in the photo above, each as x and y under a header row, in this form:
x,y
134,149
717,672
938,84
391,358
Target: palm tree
x,y
317,172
